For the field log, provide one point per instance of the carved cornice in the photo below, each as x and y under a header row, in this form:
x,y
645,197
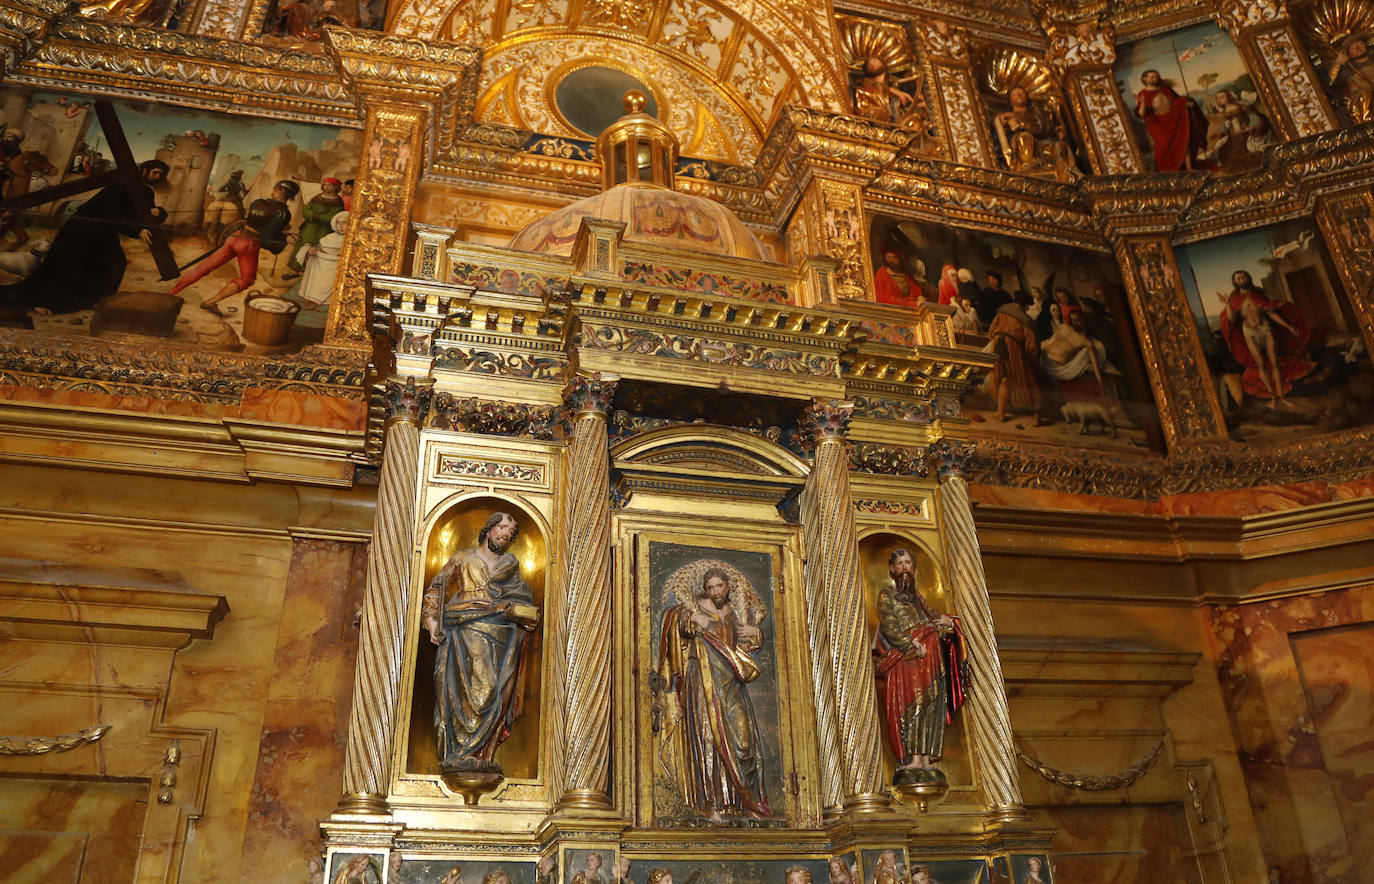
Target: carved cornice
x,y
171,371
1142,203
203,71
1336,457
24,25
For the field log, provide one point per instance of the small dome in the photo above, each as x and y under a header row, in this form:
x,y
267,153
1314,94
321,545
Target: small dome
x,y
652,216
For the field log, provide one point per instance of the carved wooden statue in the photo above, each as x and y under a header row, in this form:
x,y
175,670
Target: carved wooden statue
x,y
478,610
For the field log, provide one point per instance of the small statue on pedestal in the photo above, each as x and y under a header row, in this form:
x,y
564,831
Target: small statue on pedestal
x,y
479,611
920,657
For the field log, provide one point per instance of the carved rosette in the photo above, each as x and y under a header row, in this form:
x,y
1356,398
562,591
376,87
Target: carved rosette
x,y
835,586
986,713
407,399
1283,75
1188,407
587,622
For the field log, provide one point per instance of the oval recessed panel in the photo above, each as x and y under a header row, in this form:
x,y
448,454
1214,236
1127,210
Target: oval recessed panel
x,y
589,98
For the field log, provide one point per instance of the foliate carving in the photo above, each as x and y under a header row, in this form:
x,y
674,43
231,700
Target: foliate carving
x,y
44,745
887,460
381,211
450,465
961,114
951,458
222,18
943,41
1094,782
1089,43
590,394
473,415
1103,107
1294,80
1173,349
824,420
842,219
407,400
1242,15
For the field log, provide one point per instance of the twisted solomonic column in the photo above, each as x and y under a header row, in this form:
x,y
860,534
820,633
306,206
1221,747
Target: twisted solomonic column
x,y
587,604
834,579
989,722
386,603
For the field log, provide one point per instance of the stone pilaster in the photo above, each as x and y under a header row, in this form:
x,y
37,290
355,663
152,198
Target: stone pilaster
x,y
985,711
587,624
386,604
834,579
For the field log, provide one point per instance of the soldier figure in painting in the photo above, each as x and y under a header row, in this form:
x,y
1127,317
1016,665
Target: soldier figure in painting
x,y
920,656
704,664
478,610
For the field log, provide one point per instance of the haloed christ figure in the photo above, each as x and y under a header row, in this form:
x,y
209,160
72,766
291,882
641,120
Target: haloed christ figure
x,y
479,611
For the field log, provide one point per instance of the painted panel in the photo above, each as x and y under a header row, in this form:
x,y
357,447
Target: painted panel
x,y
1282,343
1069,366
256,261
1193,101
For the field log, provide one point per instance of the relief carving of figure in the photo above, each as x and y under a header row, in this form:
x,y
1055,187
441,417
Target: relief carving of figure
x,y
479,611
919,655
1337,32
885,80
711,739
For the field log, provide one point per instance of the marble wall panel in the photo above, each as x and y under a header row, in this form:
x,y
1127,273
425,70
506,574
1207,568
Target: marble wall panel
x,y
1124,844
1283,725
62,830
299,773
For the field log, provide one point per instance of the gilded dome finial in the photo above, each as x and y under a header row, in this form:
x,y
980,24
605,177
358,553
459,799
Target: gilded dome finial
x,y
634,102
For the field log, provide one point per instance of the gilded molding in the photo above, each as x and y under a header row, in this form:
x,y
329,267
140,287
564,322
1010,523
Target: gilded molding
x,y
1095,782
489,418
29,746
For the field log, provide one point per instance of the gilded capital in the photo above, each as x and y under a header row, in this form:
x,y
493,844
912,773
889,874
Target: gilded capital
x,y
1238,16
951,458
407,399
825,420
590,394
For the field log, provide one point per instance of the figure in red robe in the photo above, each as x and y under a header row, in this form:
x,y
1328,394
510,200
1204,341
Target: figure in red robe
x,y
893,285
1176,124
919,657
1269,338
949,284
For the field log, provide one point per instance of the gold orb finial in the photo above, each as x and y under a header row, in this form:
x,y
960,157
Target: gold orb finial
x,y
634,101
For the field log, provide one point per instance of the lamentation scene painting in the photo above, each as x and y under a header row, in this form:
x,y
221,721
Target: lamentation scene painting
x,y
1055,317
217,232
1284,348
1193,102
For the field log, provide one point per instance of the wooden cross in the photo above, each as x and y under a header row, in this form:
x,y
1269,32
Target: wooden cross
x,y
125,173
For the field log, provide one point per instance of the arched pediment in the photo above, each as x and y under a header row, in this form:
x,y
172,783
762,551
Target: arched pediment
x,y
709,448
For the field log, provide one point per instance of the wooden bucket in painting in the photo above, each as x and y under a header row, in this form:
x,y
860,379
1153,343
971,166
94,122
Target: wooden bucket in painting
x,y
267,319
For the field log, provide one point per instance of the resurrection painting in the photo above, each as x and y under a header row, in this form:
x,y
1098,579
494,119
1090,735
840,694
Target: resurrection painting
x,y
1282,344
217,232
1068,360
1193,102
716,754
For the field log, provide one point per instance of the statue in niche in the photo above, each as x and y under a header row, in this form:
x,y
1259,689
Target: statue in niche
x,y
479,611
920,656
134,12
1027,119
711,735
885,80
1337,33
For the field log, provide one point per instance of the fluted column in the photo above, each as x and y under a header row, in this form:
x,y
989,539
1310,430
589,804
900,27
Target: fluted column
x,y
832,568
985,711
386,603
587,623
